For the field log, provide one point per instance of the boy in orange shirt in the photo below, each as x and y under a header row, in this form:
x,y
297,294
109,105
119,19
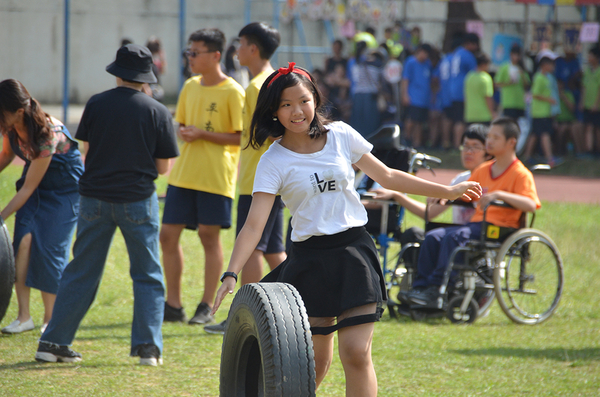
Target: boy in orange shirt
x,y
504,178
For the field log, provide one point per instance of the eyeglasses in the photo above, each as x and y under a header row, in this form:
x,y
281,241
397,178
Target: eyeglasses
x,y
472,149
194,54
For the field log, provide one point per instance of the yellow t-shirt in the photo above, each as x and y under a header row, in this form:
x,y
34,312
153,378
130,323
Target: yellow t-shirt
x,y
203,165
249,156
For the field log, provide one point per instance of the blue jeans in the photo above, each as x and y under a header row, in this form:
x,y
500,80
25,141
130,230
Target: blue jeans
x,y
96,225
436,250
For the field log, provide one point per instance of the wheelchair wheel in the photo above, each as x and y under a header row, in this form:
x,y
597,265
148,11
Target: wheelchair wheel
x,y
454,312
528,277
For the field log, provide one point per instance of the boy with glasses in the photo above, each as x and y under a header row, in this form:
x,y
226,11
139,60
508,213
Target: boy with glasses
x,y
503,178
202,182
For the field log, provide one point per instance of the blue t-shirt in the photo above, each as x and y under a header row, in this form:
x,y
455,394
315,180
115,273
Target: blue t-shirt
x,y
436,103
444,93
418,75
564,69
463,61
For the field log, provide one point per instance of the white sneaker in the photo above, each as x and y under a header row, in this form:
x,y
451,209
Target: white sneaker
x,y
17,327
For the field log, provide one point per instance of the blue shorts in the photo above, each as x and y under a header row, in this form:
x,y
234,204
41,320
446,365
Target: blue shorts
x,y
271,241
192,208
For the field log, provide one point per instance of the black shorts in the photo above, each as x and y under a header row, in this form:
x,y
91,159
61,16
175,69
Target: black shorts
x,y
543,125
590,117
457,114
271,241
514,114
417,114
192,208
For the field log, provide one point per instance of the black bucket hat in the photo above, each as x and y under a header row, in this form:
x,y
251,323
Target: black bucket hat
x,y
133,63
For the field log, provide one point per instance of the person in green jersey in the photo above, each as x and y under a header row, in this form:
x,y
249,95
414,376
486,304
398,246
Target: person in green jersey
x,y
513,81
541,112
590,103
567,126
479,92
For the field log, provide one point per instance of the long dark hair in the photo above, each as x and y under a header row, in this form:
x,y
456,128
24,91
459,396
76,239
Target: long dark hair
x,y
14,96
263,126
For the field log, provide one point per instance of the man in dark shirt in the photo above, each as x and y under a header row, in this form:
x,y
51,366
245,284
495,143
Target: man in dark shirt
x,y
129,140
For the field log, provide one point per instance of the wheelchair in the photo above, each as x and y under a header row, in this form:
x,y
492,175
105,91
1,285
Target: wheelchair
x,y
520,268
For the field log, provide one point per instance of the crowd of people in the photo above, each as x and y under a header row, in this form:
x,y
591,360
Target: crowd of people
x,y
285,133
555,101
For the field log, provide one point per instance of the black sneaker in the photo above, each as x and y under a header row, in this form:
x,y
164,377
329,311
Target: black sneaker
x,y
149,355
174,315
428,298
216,328
202,315
51,353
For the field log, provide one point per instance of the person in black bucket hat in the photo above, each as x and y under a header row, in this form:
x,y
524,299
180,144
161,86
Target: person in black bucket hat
x,y
133,63
129,139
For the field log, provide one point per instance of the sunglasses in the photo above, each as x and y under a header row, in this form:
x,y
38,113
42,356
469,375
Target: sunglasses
x,y
194,54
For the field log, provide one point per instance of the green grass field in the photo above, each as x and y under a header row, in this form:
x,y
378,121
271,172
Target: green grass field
x,y
493,356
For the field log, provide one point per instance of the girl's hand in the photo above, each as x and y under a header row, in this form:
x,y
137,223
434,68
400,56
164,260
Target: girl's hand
x,y
467,191
383,194
226,288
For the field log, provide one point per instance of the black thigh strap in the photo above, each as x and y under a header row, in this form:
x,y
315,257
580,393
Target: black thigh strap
x,y
348,322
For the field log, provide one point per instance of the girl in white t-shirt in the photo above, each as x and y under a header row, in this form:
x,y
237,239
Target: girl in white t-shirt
x,y
333,261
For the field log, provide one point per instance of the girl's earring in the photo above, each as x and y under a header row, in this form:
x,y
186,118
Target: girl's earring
x,y
274,118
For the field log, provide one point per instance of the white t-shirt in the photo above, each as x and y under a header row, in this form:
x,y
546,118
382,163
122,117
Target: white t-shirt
x,y
461,215
318,188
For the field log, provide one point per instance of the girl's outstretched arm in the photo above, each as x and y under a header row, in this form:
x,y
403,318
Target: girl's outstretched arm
x,y
246,241
403,182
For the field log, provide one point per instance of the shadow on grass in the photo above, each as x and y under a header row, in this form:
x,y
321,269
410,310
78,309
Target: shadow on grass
x,y
35,366
556,353
104,326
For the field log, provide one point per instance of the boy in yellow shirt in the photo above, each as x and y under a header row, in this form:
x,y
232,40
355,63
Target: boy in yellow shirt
x,y
202,182
503,178
258,42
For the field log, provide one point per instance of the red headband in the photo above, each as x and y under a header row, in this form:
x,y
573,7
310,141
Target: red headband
x,y
288,70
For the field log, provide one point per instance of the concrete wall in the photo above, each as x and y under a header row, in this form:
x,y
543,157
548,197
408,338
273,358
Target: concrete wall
x,y
32,35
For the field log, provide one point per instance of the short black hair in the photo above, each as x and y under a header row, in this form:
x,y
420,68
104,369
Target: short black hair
x,y
475,131
425,47
471,38
266,38
369,29
482,59
595,51
213,39
510,128
545,60
516,49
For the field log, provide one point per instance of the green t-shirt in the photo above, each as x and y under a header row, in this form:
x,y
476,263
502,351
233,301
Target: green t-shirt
x,y
512,96
591,82
541,87
566,115
478,87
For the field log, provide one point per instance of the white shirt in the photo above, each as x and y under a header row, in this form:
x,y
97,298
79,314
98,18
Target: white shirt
x,y
318,188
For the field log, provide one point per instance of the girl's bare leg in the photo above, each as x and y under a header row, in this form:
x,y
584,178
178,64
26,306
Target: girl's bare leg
x,y
21,268
323,347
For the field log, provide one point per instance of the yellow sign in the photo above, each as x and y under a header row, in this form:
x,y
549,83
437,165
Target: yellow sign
x,y
493,232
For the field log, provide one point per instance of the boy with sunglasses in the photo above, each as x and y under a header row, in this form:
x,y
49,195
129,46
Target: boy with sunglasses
x,y
202,182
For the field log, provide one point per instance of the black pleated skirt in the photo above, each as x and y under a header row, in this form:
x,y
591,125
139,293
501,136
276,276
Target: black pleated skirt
x,y
334,273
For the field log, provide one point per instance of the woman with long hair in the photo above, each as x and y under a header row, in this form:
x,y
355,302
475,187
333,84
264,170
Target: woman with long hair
x,y
47,198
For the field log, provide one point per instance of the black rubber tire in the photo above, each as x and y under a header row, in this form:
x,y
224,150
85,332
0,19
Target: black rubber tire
x,y
267,346
7,269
